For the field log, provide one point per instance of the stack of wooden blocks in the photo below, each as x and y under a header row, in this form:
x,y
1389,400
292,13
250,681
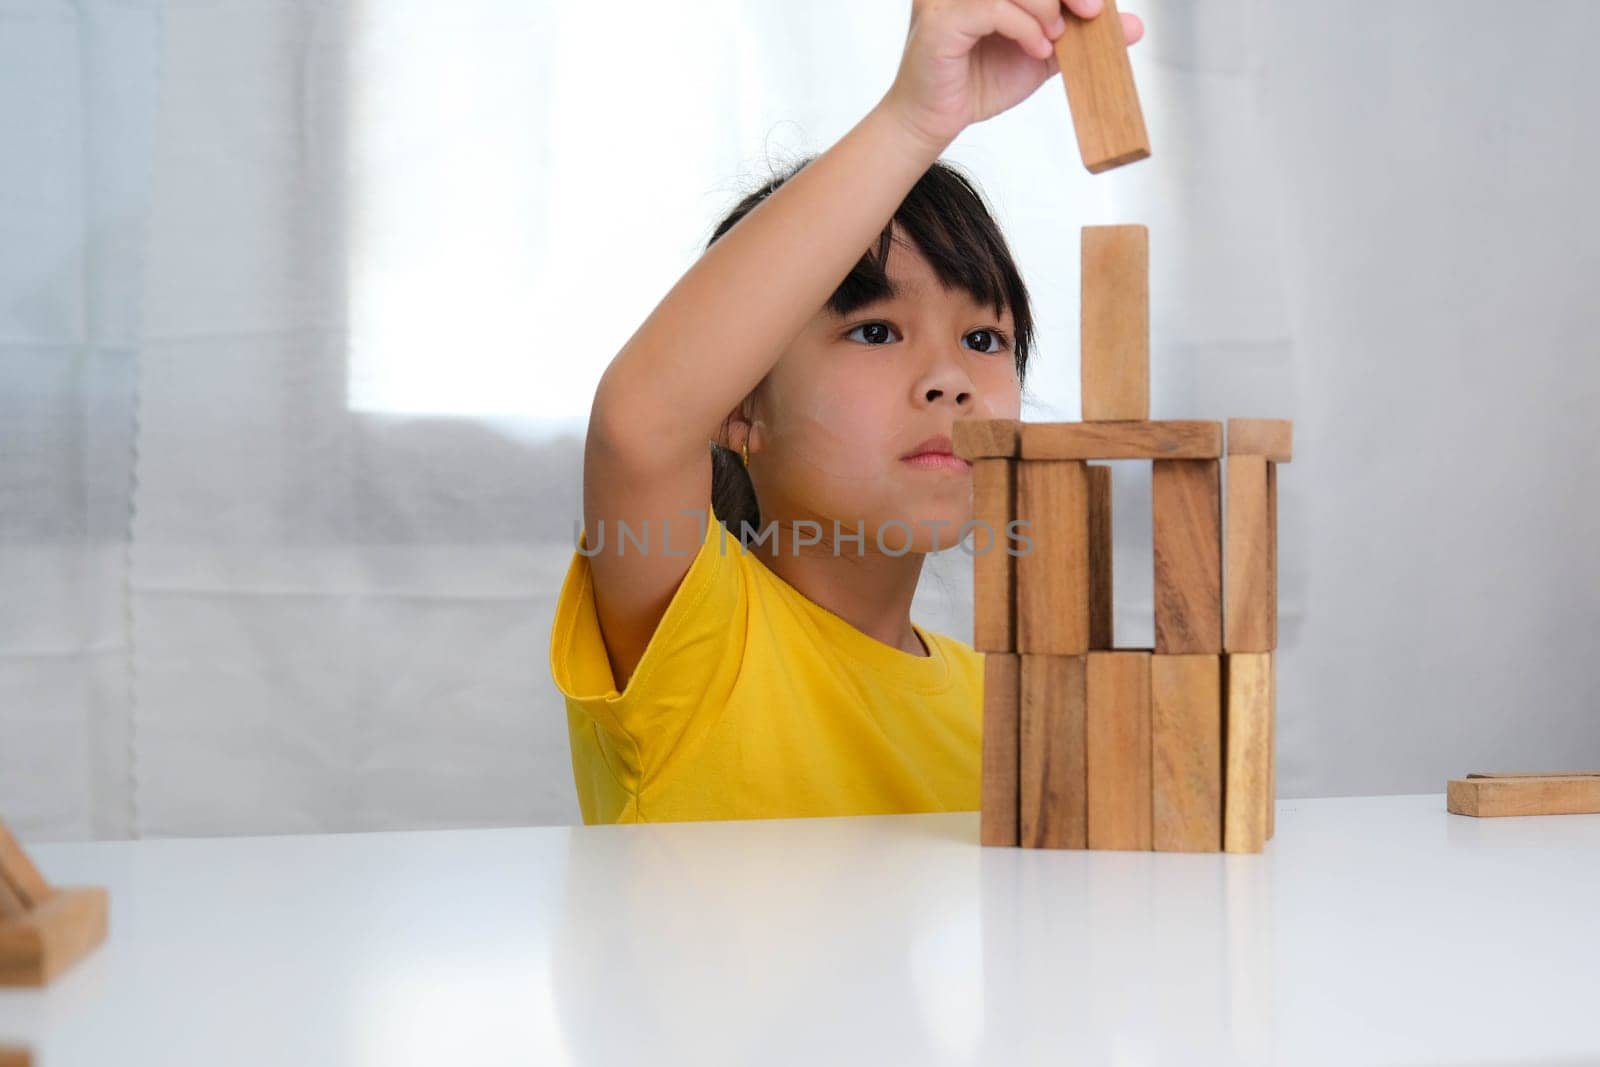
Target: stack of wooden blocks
x,y
1090,746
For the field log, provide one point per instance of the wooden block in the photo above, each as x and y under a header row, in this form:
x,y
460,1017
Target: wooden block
x,y
1100,555
1272,438
12,906
1540,795
1118,759
1053,567
1093,57
53,935
1272,744
1537,774
1054,794
974,439
1247,716
12,1056
994,569
1251,609
1002,716
1186,503
1186,753
18,870
1114,345
1165,439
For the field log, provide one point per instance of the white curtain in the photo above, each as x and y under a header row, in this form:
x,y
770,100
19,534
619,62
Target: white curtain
x,y
302,304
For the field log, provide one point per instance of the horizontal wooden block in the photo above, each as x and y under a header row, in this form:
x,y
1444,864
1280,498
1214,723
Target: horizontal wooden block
x,y
1186,753
1002,717
1100,558
973,439
1054,800
1534,795
1250,613
1247,717
52,936
994,569
1536,774
1272,438
1186,505
1118,760
1171,439
1114,341
1053,567
1092,56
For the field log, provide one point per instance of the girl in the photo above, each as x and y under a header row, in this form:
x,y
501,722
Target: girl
x,y
770,668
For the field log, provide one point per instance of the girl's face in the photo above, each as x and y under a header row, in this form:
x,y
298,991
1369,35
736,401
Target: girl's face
x,y
853,397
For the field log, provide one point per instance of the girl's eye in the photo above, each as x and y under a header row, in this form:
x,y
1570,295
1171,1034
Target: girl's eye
x,y
877,333
987,336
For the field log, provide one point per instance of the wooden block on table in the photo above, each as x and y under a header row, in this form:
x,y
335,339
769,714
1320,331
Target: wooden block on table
x,y
1118,749
1186,503
53,935
1100,556
1272,744
994,569
1535,774
1159,439
18,871
974,439
11,1056
12,905
1272,438
1246,786
1186,753
1054,794
1093,57
1114,346
1053,567
1250,614
1002,717
1532,795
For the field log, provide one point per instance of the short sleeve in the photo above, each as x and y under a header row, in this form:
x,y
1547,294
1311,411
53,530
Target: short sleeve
x,y
687,669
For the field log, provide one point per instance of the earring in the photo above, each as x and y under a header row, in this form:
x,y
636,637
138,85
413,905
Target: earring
x,y
744,452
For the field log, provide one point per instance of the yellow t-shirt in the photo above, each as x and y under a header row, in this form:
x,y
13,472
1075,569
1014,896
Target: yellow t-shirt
x,y
751,701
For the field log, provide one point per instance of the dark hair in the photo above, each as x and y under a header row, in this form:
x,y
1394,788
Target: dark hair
x,y
947,219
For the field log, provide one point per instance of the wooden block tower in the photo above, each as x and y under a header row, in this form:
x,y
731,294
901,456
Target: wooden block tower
x,y
1090,746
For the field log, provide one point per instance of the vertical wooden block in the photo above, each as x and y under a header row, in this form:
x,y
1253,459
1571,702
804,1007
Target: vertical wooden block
x,y
14,1056
1002,717
1248,715
1093,56
18,871
1250,615
1186,753
1272,744
1114,344
1186,502
1100,553
994,572
1118,760
1053,567
1054,803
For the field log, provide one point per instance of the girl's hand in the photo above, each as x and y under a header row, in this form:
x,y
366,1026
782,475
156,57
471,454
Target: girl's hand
x,y
966,60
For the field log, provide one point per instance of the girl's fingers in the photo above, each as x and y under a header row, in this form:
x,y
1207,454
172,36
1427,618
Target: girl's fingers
x,y
1048,13
1008,20
1085,9
1132,27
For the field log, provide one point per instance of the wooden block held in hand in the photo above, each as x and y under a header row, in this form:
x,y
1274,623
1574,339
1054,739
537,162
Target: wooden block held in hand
x,y
1186,503
18,870
1114,346
1160,439
1002,719
53,935
1537,795
1272,438
1093,56
1118,758
1100,558
1053,566
1054,802
994,569
1246,789
1186,753
974,439
1250,614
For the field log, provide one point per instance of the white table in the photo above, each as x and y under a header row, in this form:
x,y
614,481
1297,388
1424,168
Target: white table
x,y
1374,930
